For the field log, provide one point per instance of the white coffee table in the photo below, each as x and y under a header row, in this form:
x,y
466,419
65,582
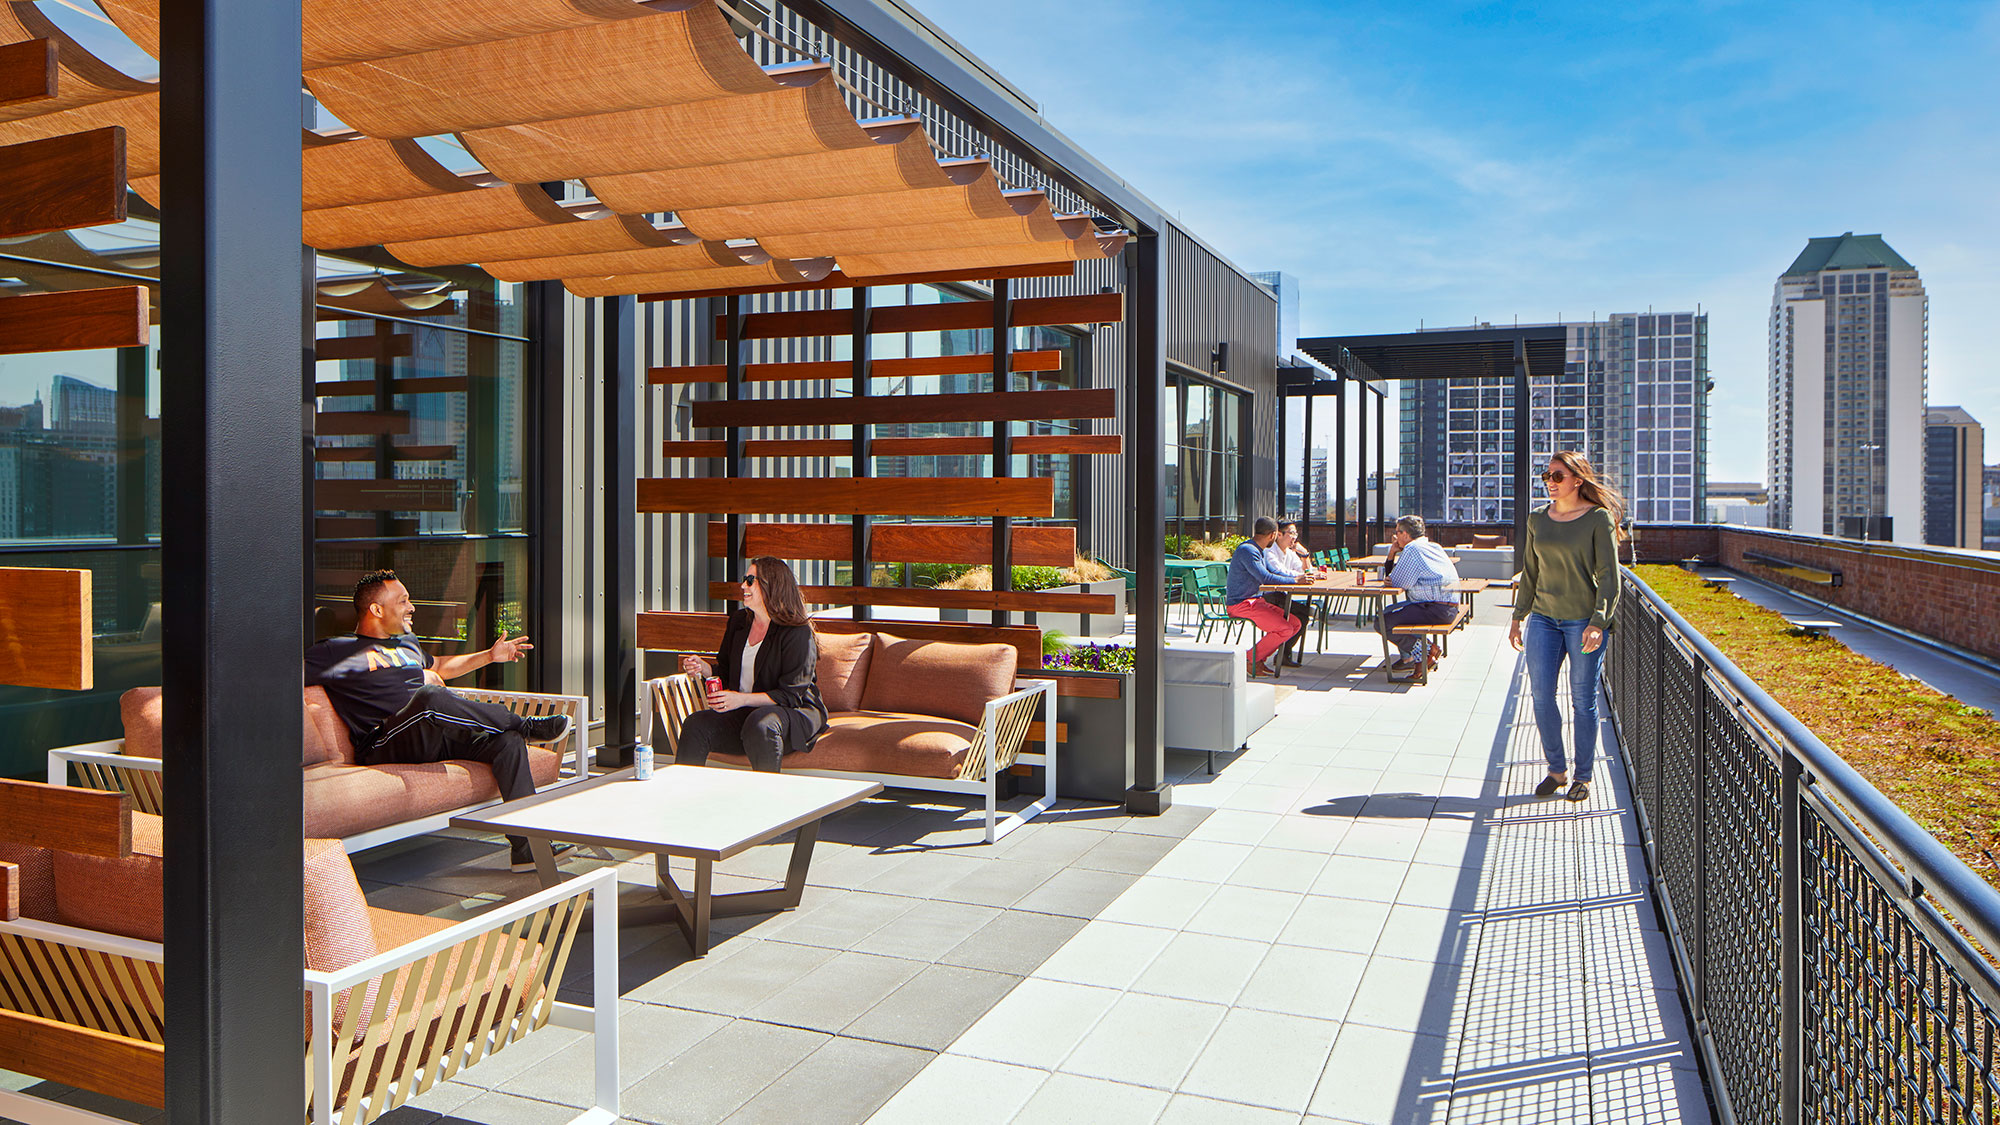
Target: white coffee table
x,y
700,813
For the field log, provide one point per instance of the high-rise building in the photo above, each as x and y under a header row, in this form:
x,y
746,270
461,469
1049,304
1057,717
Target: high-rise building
x,y
1318,492
79,406
1954,466
1849,364
1632,396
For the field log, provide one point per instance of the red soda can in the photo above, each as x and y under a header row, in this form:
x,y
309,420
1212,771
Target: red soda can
x,y
714,684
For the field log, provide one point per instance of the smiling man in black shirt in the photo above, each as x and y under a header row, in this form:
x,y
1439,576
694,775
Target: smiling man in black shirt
x,y
380,682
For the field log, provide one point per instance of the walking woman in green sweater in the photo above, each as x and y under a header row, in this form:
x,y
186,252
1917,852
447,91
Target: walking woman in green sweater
x,y
1566,592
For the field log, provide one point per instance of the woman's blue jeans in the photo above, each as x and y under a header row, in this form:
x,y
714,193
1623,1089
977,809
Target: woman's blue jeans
x,y
1547,642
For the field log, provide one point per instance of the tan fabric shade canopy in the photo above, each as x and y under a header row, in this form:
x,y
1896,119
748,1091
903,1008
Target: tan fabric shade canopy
x,y
655,107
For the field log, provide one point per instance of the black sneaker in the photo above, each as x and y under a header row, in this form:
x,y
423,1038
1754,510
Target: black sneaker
x,y
524,859
1549,787
545,728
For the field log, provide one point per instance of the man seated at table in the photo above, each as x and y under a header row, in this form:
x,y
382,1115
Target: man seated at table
x,y
390,693
1248,573
1287,557
1424,571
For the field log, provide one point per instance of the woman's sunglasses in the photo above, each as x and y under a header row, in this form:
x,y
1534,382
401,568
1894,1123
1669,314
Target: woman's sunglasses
x,y
748,580
1553,477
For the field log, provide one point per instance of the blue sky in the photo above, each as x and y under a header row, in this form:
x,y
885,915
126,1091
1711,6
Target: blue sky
x,y
1445,162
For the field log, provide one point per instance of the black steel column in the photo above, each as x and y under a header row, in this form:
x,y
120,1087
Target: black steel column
x,y
1003,440
1146,478
732,437
1337,470
548,482
620,328
232,552
130,489
1306,475
1522,498
1365,544
864,454
1381,460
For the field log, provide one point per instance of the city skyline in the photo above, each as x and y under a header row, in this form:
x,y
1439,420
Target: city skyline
x,y
1454,164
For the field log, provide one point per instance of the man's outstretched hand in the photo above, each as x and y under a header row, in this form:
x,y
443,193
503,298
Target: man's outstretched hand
x,y
505,651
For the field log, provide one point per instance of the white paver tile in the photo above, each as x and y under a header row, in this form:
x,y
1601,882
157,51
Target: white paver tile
x,y
1072,1097
1106,954
1263,1058
1037,1024
1376,1076
1349,925
938,1093
1186,1109
1146,1041
1279,869
1246,912
1202,967
1158,901
1202,861
1302,981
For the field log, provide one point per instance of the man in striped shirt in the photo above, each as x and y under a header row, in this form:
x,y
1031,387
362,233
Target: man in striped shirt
x,y
1425,573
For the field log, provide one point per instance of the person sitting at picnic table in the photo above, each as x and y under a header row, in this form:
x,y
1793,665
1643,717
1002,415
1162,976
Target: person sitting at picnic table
x,y
1424,571
1287,557
1248,574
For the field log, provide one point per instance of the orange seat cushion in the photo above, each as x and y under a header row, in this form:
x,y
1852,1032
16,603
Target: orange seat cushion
x,y
38,879
953,681
843,669
342,800
884,742
116,896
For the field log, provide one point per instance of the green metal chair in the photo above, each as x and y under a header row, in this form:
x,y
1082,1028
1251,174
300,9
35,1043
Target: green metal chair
x,y
1211,585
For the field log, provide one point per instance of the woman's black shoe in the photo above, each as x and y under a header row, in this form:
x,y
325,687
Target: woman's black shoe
x,y
1549,787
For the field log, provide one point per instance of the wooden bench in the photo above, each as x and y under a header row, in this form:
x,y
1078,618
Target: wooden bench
x,y
1439,650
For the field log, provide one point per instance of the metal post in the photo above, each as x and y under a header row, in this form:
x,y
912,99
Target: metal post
x,y
1337,471
864,455
1366,545
1146,478
548,482
232,552
1306,475
621,540
1003,440
732,437
1381,462
1522,498
1791,943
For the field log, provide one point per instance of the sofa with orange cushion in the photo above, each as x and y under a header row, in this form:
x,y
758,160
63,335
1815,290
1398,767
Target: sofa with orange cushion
x,y
362,806
86,968
911,714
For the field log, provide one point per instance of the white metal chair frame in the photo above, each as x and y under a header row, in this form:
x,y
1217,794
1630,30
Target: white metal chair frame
x,y
999,745
550,917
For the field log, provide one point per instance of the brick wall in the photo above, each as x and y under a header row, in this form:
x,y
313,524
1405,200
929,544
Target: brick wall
x,y
1950,595
1673,542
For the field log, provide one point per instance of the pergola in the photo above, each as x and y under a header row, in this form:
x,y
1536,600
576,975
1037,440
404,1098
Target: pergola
x,y
653,107
1455,353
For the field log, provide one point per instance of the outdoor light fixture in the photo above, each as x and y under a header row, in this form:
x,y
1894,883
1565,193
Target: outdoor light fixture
x,y
1218,358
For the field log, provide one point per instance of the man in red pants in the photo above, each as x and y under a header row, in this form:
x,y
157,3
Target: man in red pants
x,y
1248,573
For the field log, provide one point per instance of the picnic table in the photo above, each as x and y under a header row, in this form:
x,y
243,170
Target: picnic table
x,y
1346,584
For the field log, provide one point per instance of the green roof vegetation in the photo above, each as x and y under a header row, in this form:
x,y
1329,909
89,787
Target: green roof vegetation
x,y
1936,757
1848,251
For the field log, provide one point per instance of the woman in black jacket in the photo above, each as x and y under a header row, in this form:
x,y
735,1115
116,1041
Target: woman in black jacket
x,y
769,705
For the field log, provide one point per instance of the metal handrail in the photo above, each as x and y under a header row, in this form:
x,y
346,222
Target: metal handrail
x,y
1931,869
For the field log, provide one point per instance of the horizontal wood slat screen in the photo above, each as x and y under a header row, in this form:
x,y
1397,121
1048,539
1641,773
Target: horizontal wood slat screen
x,y
396,453
45,627
78,321
27,71
10,891
359,527
702,632
363,347
385,495
1015,601
83,1057
838,280
992,406
1034,745
960,316
91,822
422,385
1046,445
977,363
1027,497
899,543
892,542
59,183
349,423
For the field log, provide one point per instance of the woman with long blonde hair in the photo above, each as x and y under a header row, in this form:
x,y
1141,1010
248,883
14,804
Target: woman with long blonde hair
x,y
1565,596
769,703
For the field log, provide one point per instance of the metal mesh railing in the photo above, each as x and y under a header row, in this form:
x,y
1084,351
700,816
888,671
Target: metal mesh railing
x,y
1833,953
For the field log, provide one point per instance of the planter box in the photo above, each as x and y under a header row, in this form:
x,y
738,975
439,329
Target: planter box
x,y
1094,761
1211,702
